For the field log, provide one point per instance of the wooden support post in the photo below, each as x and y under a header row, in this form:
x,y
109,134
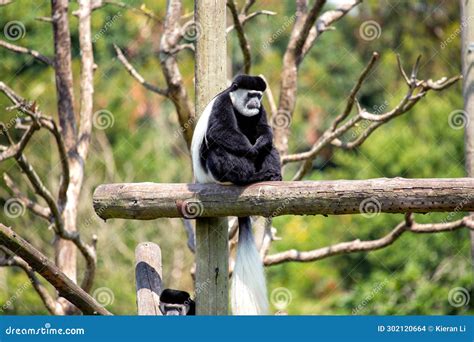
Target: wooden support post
x,y
148,277
212,248
467,25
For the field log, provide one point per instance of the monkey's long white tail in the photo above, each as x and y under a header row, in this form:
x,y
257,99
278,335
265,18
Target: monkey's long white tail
x,y
249,290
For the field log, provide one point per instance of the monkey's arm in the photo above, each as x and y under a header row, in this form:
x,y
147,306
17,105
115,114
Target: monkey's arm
x,y
230,140
264,132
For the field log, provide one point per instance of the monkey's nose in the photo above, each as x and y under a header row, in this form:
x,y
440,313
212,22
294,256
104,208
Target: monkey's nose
x,y
253,103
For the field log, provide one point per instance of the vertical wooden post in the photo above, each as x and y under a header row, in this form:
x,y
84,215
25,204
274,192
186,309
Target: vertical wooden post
x,y
212,247
467,25
148,277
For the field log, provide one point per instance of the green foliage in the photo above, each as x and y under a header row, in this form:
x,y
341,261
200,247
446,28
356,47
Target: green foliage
x,y
413,276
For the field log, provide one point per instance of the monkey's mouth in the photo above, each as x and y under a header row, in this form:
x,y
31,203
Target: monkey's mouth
x,y
253,104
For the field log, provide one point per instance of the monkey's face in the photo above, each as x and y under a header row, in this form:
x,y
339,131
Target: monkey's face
x,y
246,102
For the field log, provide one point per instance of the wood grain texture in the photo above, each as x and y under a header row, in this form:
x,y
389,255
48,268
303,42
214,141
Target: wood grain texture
x,y
212,252
212,265
458,118
148,278
146,201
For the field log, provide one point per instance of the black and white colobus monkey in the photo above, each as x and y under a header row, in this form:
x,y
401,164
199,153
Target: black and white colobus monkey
x,y
233,143
176,303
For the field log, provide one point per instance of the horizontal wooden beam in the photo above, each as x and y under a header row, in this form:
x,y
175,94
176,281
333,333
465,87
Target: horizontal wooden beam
x,y
146,201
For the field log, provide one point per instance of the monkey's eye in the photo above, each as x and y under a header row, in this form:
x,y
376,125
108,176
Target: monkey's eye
x,y
252,95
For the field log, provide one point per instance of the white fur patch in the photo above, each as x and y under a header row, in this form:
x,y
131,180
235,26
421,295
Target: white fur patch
x,y
239,100
248,290
198,137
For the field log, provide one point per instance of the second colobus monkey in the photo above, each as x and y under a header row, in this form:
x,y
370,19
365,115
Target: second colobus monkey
x,y
233,143
176,303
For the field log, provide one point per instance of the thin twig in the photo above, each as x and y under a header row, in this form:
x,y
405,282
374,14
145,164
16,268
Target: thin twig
x,y
355,90
35,208
140,10
27,51
247,18
132,71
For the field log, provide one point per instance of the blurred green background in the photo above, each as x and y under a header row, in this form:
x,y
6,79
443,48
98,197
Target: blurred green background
x,y
412,276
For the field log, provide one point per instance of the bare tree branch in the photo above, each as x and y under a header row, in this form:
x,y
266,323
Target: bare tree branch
x,y
47,122
87,78
243,41
41,264
271,99
16,150
16,261
48,20
247,6
63,71
308,22
301,39
324,22
354,91
177,93
247,18
27,51
369,245
87,251
417,89
85,127
132,71
35,208
140,10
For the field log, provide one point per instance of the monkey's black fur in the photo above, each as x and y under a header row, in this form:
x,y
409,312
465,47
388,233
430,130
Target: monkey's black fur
x,y
249,82
175,298
239,148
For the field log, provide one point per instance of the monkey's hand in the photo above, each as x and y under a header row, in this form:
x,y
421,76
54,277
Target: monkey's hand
x,y
263,144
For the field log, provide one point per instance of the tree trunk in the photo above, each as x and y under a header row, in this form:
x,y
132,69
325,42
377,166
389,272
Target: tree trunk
x,y
467,13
